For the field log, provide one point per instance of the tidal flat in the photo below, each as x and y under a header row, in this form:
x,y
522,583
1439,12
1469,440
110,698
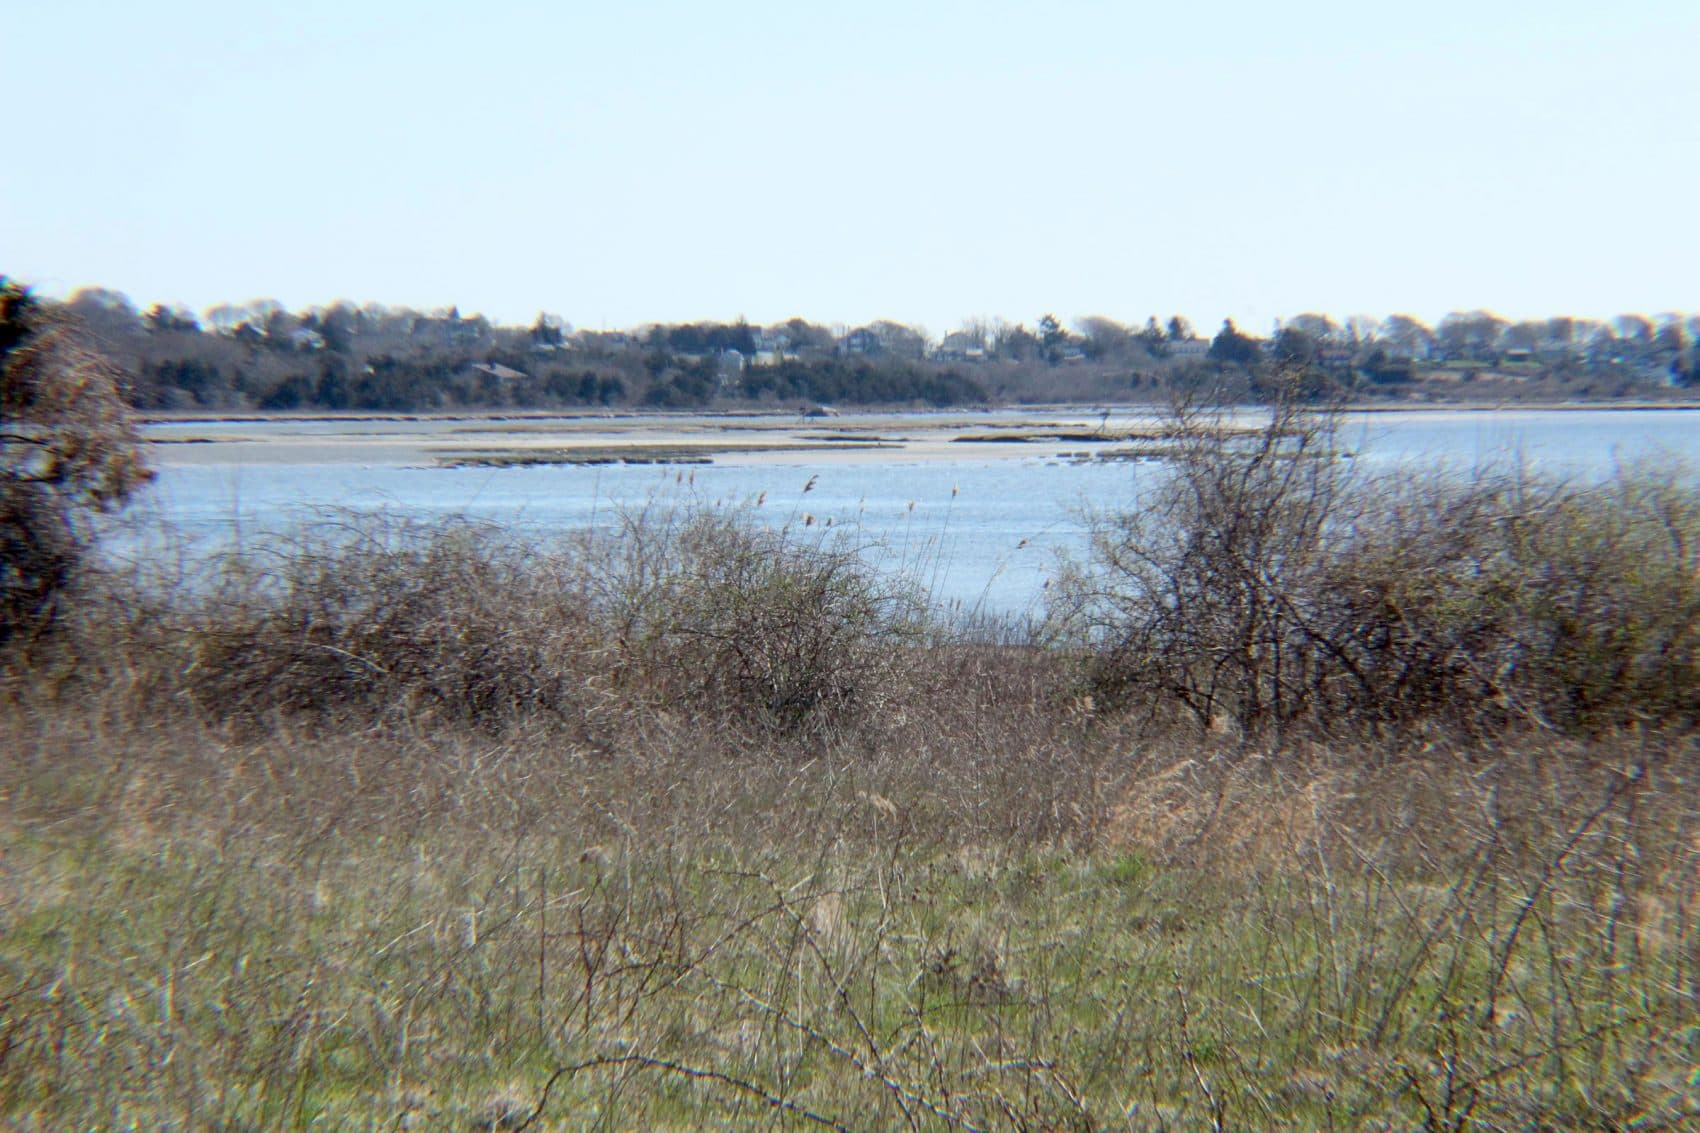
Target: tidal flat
x,y
747,438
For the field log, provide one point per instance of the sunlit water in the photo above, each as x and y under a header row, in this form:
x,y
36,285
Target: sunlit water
x,y
979,534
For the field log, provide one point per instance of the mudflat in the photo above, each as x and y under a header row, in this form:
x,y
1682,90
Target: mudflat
x,y
1078,433
650,438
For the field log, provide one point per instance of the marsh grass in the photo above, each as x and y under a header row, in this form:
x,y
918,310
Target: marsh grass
x,y
389,826
201,945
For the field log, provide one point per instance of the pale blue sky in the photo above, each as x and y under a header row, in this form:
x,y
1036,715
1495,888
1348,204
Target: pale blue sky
x,y
922,161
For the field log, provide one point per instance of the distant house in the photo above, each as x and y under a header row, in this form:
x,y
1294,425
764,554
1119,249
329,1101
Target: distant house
x,y
861,341
770,341
1408,348
499,372
884,338
960,346
1188,347
449,329
601,342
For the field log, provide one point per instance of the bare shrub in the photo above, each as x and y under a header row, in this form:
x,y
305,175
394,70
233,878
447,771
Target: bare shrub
x,y
1509,598
698,611
382,614
1265,583
1194,601
782,629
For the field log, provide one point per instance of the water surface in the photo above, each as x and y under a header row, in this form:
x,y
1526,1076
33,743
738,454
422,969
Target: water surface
x,y
981,525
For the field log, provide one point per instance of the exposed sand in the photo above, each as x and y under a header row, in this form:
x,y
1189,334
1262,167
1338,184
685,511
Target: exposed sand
x,y
721,439
1068,433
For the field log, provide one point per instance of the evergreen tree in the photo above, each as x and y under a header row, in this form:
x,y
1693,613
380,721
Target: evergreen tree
x,y
1232,348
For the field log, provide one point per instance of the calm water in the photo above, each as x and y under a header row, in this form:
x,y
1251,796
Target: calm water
x,y
981,533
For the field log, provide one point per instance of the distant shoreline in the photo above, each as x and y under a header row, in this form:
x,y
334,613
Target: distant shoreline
x,y
1070,433
254,417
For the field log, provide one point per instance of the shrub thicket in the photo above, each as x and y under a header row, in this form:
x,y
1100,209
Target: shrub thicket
x,y
1267,583
379,615
383,616
778,626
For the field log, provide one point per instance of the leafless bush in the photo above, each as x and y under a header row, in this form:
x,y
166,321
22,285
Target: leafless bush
x,y
1266,584
705,612
381,615
780,628
1203,599
1509,598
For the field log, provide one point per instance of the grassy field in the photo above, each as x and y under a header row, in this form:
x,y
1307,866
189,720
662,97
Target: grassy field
x,y
1311,806
328,929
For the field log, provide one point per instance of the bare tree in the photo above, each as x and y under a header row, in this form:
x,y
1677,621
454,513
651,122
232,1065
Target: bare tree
x,y
1470,334
1410,336
1320,328
108,317
1105,338
1363,328
1526,335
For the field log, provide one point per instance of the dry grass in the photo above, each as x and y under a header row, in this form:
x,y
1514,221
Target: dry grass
x,y
402,828
454,930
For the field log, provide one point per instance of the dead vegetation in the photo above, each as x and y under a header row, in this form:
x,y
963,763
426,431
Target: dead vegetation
x,y
1327,803
1270,587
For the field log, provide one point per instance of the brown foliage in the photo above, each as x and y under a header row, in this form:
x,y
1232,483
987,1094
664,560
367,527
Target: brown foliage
x,y
68,445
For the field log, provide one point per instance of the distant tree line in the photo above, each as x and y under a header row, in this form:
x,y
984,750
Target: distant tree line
x,y
261,356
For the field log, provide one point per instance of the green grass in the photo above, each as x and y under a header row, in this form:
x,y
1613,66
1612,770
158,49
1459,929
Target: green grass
x,y
416,982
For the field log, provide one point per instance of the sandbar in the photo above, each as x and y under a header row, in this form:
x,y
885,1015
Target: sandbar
x,y
749,439
1076,433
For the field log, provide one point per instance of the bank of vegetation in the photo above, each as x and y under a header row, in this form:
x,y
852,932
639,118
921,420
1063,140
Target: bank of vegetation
x,y
1316,799
260,356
